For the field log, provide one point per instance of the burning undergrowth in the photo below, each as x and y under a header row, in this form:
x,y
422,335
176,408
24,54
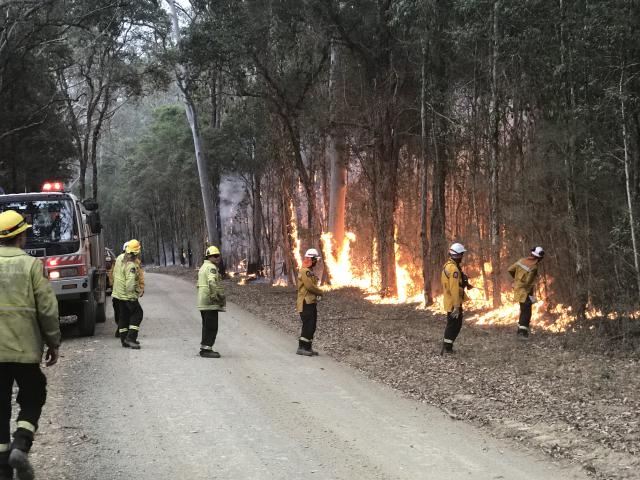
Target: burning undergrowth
x,y
343,273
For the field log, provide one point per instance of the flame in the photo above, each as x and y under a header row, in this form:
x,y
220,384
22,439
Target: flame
x,y
295,237
343,273
280,282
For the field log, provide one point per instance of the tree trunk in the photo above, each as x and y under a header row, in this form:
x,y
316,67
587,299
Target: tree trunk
x,y
426,276
287,241
385,190
493,167
192,117
439,133
95,138
338,156
255,256
627,177
572,222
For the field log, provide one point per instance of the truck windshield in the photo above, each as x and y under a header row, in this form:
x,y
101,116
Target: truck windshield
x,y
55,229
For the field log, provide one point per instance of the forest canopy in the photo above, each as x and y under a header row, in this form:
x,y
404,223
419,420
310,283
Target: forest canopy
x,y
390,128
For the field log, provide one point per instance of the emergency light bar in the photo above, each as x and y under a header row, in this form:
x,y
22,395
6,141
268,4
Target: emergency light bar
x,y
53,187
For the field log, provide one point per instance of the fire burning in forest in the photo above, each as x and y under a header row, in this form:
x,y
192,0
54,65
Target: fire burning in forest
x,y
343,273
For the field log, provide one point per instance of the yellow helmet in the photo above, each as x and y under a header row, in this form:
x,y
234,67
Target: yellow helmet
x,y
133,246
212,251
12,224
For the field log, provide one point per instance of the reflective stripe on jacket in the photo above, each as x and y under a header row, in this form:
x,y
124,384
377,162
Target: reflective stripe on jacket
x,y
210,288
453,291
308,289
524,273
28,308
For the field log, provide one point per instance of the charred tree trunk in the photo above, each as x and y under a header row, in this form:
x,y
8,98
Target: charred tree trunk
x,y
255,257
385,190
575,252
426,270
439,141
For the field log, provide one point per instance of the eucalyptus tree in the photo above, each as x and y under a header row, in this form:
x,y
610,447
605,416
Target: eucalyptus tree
x,y
108,63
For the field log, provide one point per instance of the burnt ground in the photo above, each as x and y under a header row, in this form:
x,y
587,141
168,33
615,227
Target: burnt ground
x,y
556,392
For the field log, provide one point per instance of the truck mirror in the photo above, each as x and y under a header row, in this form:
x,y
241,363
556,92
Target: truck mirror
x,y
94,222
90,204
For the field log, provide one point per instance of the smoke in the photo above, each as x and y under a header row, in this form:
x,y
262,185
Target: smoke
x,y
233,216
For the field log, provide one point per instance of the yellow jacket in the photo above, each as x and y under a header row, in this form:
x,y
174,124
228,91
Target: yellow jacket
x,y
308,289
126,278
451,280
524,273
210,289
118,277
28,308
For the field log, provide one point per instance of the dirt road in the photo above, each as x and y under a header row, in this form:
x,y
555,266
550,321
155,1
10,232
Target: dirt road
x,y
259,412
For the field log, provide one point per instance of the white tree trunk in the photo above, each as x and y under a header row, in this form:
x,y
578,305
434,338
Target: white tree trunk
x,y
627,177
182,77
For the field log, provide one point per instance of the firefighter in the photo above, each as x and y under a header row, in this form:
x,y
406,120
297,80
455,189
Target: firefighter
x,y
308,295
524,273
453,285
28,321
128,280
114,299
211,300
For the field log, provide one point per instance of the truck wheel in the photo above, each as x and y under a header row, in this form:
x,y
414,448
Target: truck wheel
x,y
101,314
87,317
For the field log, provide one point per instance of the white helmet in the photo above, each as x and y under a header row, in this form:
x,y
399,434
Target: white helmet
x,y
312,253
124,246
457,249
537,252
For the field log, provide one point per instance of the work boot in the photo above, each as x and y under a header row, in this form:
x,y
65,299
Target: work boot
x,y
6,472
447,348
313,352
129,343
19,456
304,348
19,460
209,354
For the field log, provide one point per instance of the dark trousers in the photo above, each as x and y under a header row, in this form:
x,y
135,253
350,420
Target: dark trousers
x,y
309,317
209,328
32,394
116,310
525,317
454,324
130,319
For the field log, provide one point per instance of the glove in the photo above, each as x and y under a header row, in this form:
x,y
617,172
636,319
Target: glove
x,y
533,298
455,312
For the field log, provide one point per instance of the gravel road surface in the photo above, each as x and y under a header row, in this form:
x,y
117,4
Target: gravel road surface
x,y
259,412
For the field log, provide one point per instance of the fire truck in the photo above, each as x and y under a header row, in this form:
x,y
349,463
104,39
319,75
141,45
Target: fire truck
x,y
66,235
